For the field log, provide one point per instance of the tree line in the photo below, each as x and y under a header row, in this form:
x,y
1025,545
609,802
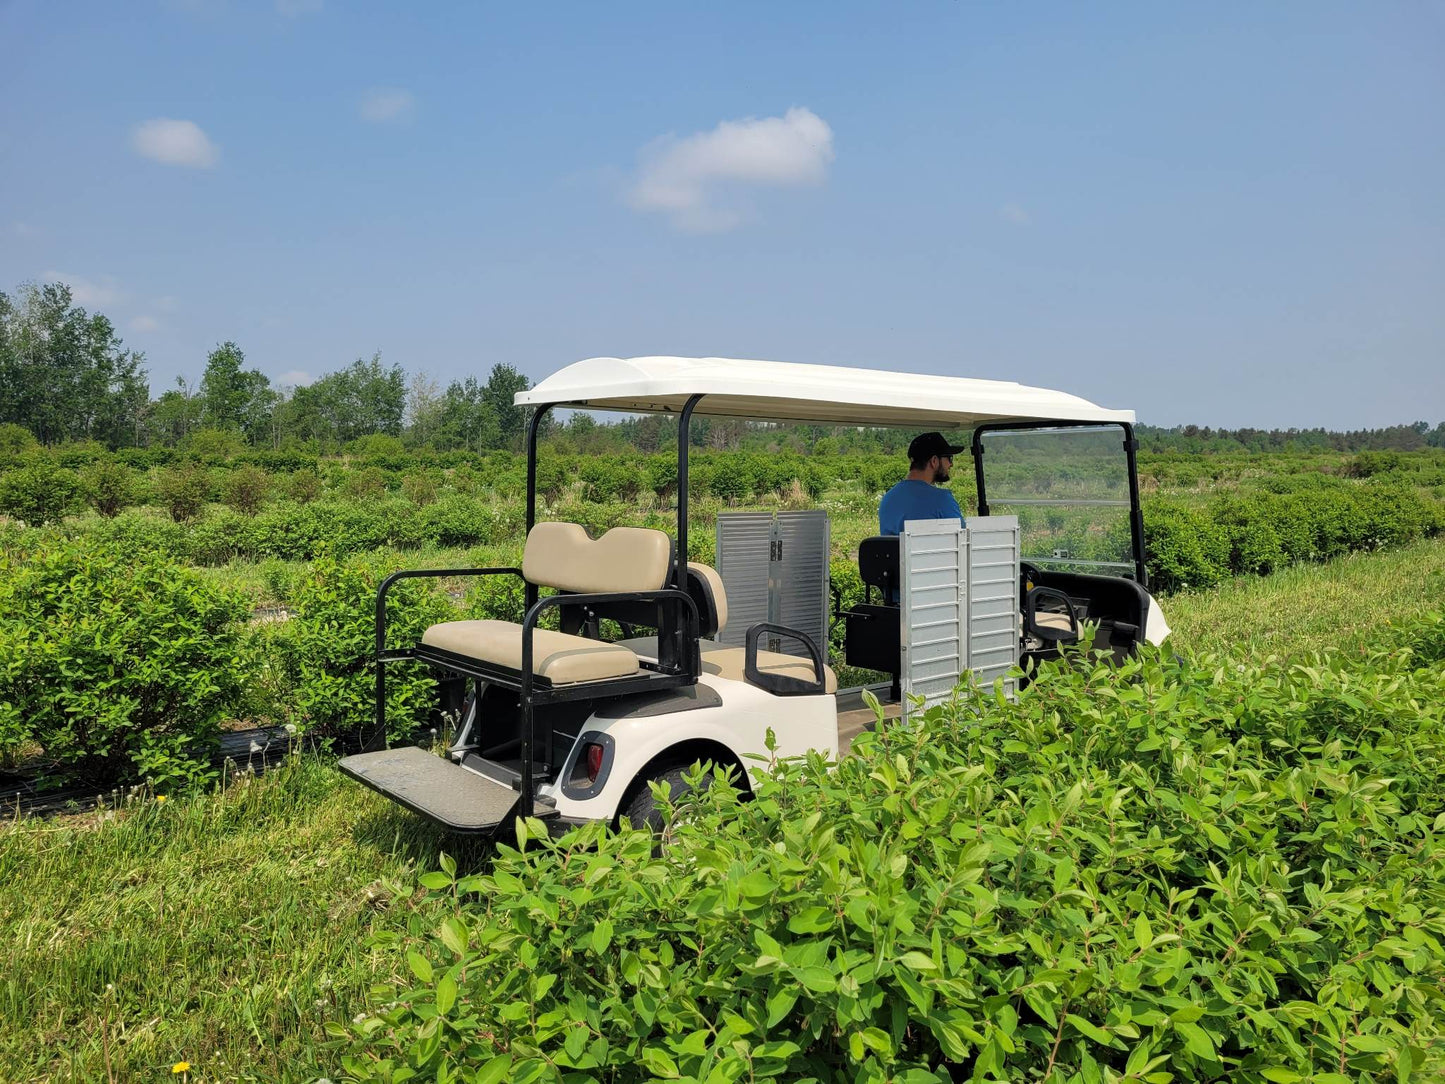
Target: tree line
x,y
66,375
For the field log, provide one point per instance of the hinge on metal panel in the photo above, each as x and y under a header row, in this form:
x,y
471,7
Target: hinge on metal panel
x,y
775,549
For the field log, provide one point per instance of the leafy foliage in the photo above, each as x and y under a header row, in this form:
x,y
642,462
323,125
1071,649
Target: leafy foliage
x,y
39,491
109,486
246,488
118,665
184,491
1180,870
330,645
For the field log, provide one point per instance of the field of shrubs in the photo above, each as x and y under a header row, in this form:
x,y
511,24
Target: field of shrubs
x,y
149,599
1219,862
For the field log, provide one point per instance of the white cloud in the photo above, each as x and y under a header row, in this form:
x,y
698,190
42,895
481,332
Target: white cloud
x,y
175,143
85,292
294,8
295,378
691,179
383,104
1012,212
144,324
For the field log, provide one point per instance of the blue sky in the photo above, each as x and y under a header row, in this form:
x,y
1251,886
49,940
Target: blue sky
x,y
1221,214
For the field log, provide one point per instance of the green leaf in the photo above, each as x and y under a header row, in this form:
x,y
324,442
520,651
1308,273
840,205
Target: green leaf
x,y
917,961
420,967
817,979
601,936
1197,1040
494,1071
451,937
446,994
659,1063
780,1004
1099,1035
811,920
1143,934
779,1051
434,880
1280,1075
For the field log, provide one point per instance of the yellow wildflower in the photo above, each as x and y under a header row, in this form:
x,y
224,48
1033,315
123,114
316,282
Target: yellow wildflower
x,y
162,798
180,1066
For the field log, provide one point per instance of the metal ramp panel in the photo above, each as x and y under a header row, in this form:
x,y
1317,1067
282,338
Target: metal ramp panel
x,y
774,568
443,792
958,603
994,628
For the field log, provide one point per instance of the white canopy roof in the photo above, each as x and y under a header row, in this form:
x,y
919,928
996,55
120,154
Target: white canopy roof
x,y
831,394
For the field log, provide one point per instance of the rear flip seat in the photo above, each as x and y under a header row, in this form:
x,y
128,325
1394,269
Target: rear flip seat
x,y
560,555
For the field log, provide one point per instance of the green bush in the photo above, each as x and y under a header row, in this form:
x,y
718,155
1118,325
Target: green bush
x,y
183,491
246,489
1183,548
420,488
1176,870
108,486
304,486
39,491
15,441
365,484
730,479
332,644
117,664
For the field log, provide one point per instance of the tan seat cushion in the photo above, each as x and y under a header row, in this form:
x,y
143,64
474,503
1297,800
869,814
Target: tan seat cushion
x,y
726,661
713,584
556,656
561,555
1052,621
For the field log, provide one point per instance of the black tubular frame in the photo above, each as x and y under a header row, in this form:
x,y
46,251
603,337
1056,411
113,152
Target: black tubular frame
x,y
377,738
535,691
1131,455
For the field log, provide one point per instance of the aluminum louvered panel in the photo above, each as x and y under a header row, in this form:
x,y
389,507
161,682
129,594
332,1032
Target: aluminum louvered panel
x,y
800,576
993,593
933,558
744,546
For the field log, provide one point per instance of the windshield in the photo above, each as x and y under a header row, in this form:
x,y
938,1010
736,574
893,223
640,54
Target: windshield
x,y
1070,491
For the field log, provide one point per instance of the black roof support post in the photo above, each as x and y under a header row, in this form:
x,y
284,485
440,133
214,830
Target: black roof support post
x,y
684,421
671,644
978,472
534,425
1136,512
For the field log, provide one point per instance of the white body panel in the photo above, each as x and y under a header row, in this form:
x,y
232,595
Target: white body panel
x,y
740,723
1156,629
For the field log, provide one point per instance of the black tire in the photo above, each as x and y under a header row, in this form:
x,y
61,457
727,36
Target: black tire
x,y
644,811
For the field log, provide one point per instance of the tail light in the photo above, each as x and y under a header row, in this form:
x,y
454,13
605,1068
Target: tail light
x,y
593,753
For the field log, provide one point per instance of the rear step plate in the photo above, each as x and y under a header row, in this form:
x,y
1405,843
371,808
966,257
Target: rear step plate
x,y
437,789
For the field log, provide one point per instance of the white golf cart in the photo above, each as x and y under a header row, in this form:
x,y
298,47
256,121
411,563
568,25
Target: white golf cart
x,y
566,726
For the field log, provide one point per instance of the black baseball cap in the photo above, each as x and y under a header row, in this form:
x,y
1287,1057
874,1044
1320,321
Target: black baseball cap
x,y
928,445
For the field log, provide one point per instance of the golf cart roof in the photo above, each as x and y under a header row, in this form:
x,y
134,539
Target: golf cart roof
x,y
832,394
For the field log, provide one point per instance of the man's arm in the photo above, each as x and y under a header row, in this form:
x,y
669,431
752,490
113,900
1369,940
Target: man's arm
x,y
952,501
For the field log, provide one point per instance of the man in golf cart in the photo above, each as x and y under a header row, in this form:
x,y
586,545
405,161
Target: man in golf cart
x,y
921,495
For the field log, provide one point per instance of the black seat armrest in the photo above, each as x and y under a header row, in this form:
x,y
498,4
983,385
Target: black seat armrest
x,y
782,684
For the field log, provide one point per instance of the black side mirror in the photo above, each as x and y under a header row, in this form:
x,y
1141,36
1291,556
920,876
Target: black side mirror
x,y
1050,633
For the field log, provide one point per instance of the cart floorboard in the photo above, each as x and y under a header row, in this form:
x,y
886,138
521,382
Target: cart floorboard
x,y
436,788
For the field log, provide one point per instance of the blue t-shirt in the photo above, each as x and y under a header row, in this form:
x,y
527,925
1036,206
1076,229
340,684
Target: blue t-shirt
x,y
914,498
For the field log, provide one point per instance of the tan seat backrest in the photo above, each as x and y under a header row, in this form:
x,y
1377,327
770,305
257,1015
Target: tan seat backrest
x,y
712,583
561,555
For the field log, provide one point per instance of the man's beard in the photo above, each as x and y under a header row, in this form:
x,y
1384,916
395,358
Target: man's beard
x,y
941,475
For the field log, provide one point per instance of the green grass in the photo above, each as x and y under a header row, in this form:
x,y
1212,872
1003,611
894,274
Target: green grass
x,y
227,929
1346,604
223,930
